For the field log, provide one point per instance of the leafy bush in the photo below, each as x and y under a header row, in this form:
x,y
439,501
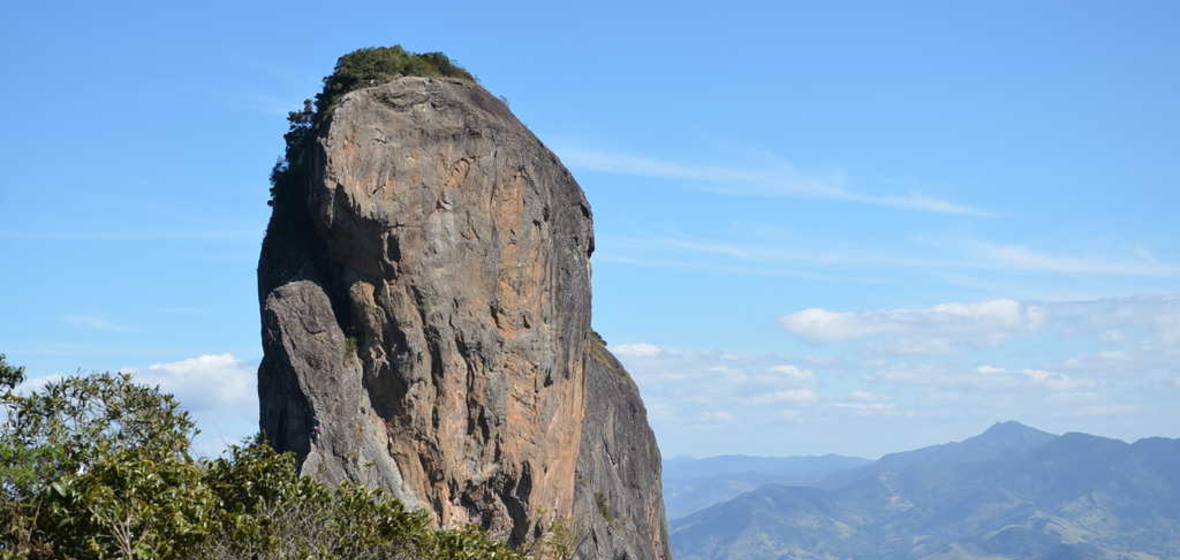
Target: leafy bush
x,y
355,70
97,467
269,511
73,432
129,505
372,66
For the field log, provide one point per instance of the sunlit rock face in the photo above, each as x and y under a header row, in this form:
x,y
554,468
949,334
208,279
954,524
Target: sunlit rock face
x,y
426,321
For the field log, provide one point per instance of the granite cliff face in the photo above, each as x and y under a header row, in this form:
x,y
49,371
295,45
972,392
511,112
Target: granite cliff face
x,y
618,495
425,299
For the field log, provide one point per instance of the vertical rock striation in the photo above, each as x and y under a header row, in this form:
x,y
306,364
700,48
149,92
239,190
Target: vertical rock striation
x,y
619,497
425,296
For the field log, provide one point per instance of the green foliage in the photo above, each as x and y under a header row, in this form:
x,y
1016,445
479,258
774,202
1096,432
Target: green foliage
x,y
70,430
269,511
561,541
597,338
84,418
98,467
465,544
373,66
603,507
358,69
10,376
133,506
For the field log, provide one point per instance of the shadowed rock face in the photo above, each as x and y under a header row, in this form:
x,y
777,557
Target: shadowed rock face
x,y
619,501
426,311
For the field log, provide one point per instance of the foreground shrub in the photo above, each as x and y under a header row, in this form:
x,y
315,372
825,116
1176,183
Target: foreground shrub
x,y
127,505
82,451
97,467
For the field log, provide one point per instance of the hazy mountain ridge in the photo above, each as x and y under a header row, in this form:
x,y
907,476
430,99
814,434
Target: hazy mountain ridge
x,y
692,484
1012,492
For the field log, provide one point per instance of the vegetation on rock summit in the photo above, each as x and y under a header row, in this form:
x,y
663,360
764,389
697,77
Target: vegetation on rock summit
x,y
358,69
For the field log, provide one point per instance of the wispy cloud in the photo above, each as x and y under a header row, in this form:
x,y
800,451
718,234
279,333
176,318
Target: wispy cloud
x,y
968,255
793,396
1016,257
868,408
861,395
732,269
1047,379
986,321
783,181
95,322
691,392
949,326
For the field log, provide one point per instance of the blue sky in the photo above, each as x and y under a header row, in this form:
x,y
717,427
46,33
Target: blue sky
x,y
822,227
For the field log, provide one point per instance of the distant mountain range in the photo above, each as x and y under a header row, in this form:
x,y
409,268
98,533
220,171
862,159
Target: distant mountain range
x,y
1013,492
691,485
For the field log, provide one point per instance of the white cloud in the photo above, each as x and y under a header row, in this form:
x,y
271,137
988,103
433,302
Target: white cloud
x,y
95,322
691,393
716,417
219,389
1048,379
869,409
790,416
950,327
636,350
1113,335
37,383
1075,397
212,382
1104,360
794,372
899,373
866,396
985,321
782,182
1022,258
1167,326
821,360
795,396
1054,381
1107,409
729,269
917,346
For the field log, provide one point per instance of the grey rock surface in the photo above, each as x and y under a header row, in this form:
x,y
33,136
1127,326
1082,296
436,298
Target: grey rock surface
x,y
426,310
619,503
